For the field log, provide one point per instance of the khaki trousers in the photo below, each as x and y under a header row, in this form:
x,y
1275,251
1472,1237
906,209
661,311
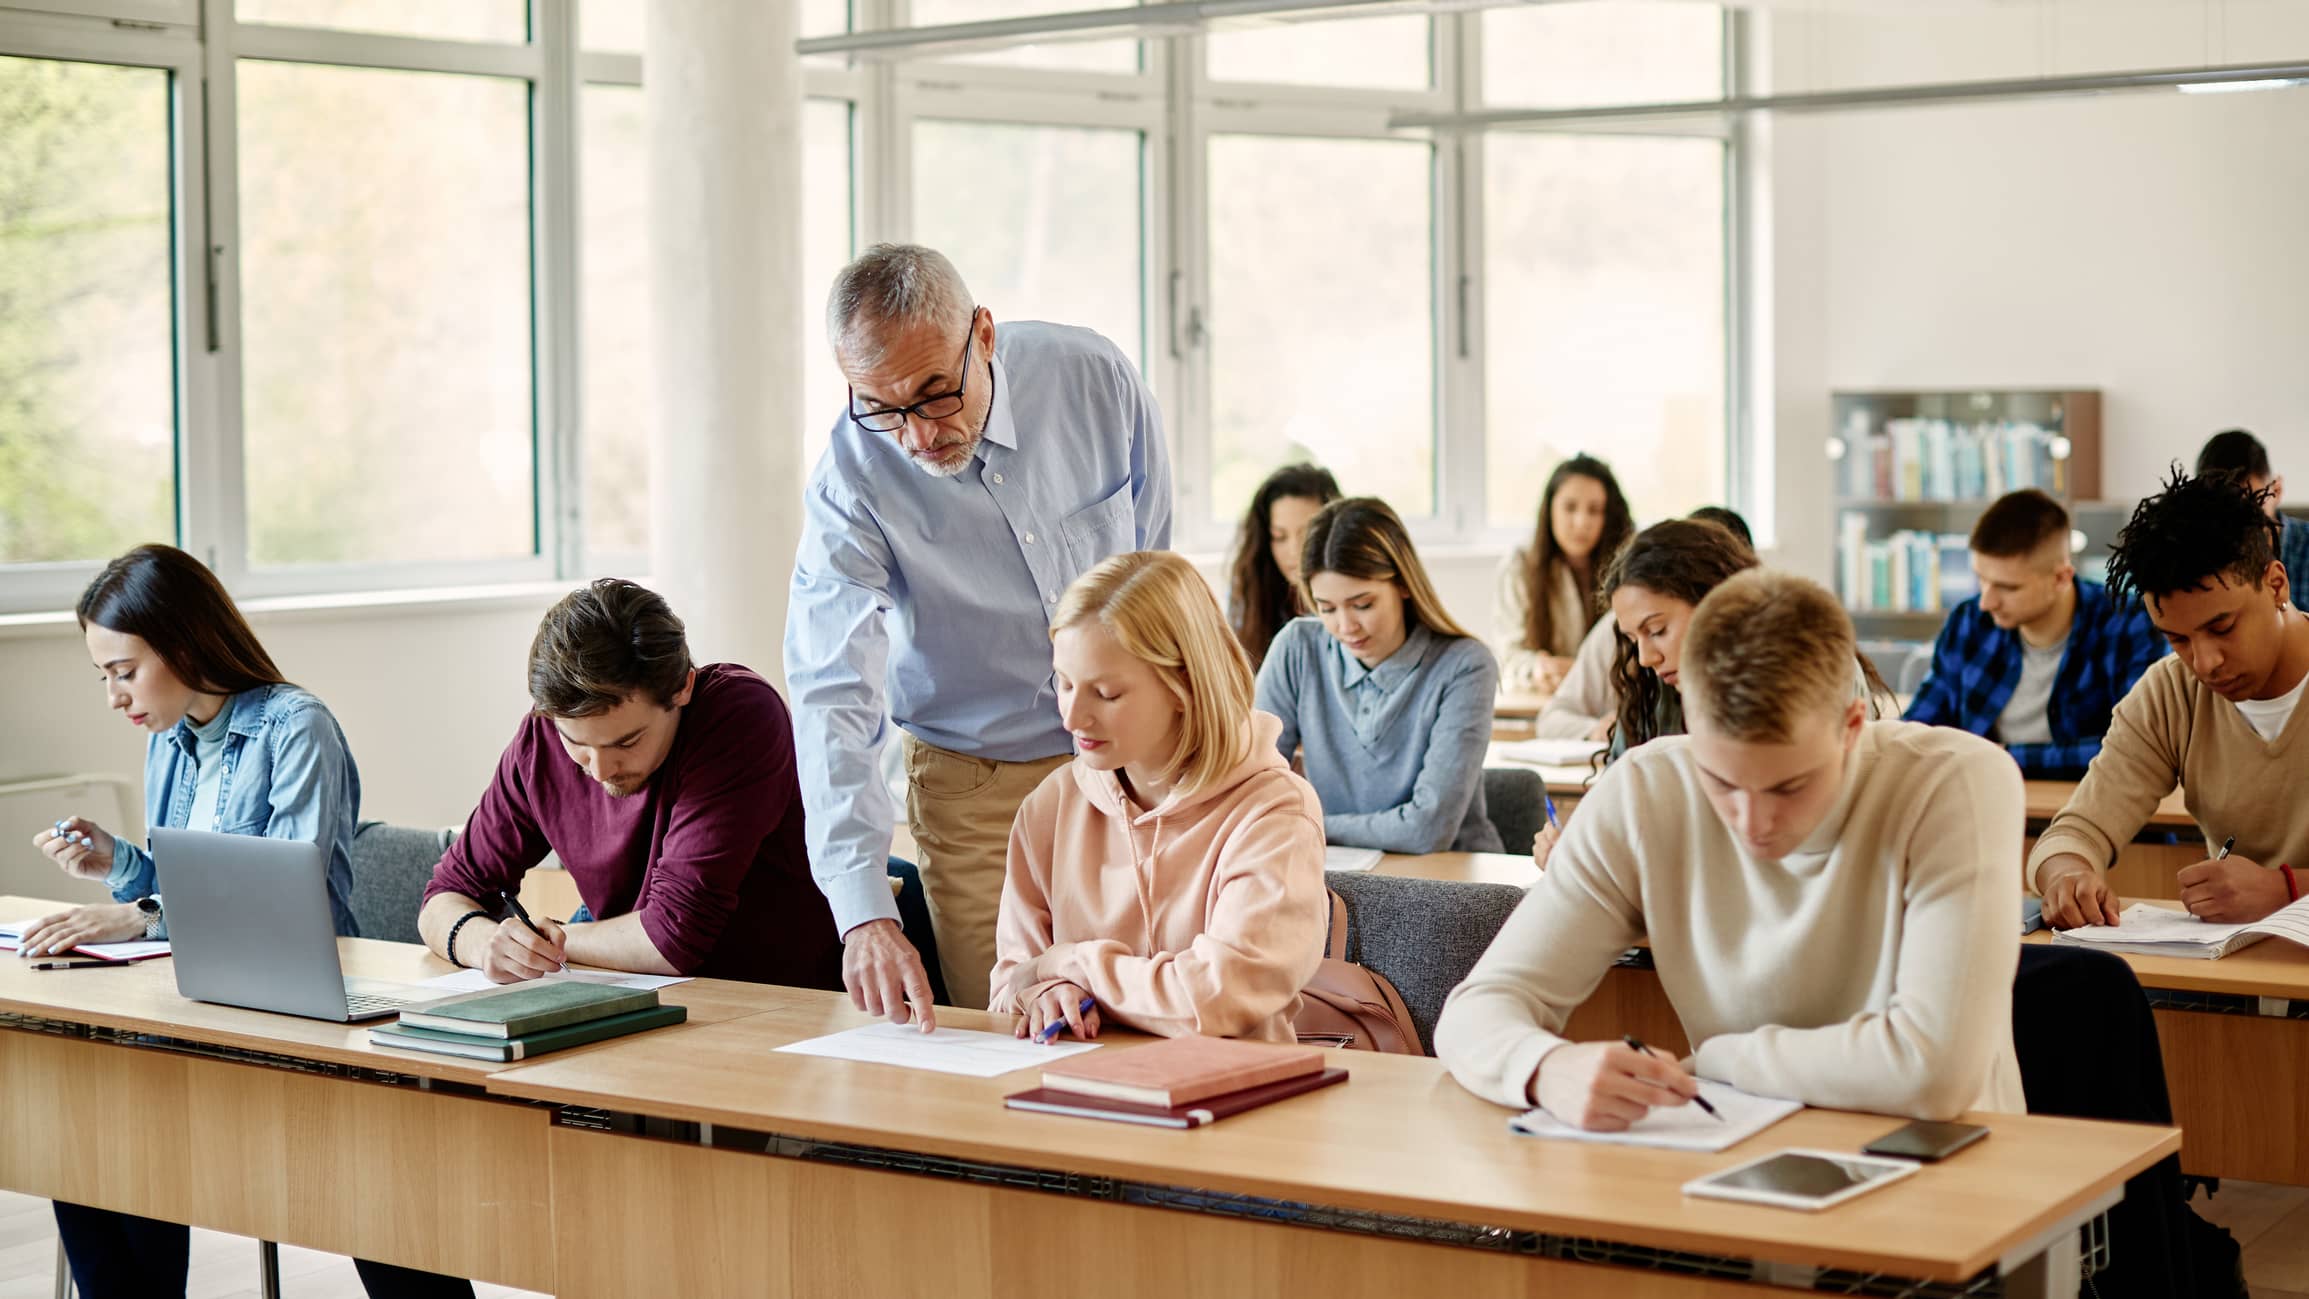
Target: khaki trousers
x,y
960,809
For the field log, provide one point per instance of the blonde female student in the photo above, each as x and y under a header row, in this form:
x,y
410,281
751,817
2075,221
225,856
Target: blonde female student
x,y
1828,899
1172,874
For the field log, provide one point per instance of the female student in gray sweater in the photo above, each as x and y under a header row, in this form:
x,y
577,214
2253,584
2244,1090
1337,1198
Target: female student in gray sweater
x,y
1389,699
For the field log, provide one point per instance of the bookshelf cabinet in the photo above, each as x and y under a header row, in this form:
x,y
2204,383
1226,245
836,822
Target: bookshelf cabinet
x,y
1911,474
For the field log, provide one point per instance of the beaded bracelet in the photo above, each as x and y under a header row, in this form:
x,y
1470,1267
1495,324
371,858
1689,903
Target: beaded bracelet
x,y
450,947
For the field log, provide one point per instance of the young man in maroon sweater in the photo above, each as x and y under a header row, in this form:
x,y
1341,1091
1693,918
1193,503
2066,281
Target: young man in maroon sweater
x,y
668,792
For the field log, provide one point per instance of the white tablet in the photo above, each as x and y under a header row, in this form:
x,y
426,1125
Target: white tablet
x,y
1801,1179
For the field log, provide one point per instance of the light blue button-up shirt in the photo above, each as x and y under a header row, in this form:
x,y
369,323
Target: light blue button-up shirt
x,y
926,601
284,771
1395,750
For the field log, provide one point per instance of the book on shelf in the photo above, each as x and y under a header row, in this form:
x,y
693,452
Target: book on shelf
x,y
1931,459
1910,571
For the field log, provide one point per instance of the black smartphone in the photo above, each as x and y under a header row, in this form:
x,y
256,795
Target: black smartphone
x,y
1925,1142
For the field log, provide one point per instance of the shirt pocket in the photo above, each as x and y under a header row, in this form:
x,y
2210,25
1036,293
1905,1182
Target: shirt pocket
x,y
1098,531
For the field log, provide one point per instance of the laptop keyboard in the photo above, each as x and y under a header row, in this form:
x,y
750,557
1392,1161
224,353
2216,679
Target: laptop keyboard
x,y
362,1005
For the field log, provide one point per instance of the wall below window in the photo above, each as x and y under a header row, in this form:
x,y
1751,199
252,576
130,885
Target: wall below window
x,y
2146,243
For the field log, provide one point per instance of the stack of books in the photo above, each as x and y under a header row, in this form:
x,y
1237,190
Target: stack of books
x,y
1182,1082
520,1020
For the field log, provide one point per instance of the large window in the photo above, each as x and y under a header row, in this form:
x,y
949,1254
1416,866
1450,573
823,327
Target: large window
x,y
1322,327
1042,221
386,315
87,369
1604,279
355,294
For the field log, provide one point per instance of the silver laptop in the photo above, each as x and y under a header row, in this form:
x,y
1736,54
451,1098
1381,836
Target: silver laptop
x,y
249,925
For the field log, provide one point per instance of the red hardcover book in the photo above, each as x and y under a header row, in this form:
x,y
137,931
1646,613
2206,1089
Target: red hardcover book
x,y
1181,1070
1045,1100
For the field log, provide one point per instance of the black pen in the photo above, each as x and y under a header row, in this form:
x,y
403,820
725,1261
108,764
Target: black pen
x,y
520,914
1701,1101
2226,845
79,965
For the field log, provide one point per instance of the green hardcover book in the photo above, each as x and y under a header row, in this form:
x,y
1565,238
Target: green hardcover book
x,y
529,1044
522,1008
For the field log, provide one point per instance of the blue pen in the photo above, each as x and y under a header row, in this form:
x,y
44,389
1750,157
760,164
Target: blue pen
x,y
1050,1030
1549,799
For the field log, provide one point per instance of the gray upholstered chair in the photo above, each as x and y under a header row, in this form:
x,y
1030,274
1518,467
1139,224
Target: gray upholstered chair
x,y
1423,935
1516,800
391,865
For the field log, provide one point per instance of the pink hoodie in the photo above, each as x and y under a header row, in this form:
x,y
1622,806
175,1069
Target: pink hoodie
x,y
1205,915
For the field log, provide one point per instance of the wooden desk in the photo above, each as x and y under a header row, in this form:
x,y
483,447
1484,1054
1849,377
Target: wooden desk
x,y
2235,1055
123,1095
1525,704
1401,1139
1476,867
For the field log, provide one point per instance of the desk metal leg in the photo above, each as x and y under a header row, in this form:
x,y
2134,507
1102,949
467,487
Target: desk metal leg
x,y
63,1272
269,1269
2052,1266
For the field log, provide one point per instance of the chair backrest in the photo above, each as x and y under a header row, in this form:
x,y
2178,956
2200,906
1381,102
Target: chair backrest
x,y
391,866
1423,935
1516,799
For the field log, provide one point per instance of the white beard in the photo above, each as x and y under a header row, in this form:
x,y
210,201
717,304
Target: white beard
x,y
962,456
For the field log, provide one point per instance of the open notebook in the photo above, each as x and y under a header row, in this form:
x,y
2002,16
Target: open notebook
x,y
1686,1127
2145,929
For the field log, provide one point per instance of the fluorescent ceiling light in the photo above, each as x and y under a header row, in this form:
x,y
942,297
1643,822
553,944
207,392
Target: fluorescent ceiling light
x,y
2232,87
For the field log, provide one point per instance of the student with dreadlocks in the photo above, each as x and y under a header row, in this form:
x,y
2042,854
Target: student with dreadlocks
x,y
2216,718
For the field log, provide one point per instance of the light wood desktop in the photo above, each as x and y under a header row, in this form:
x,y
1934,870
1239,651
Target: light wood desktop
x,y
432,1175
314,1138
1400,1138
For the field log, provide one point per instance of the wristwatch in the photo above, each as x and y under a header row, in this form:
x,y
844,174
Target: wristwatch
x,y
148,909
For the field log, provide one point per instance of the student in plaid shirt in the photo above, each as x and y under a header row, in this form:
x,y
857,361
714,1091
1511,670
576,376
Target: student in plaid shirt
x,y
2038,660
2241,455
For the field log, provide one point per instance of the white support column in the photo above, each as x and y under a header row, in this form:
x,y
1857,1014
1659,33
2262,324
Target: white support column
x,y
725,189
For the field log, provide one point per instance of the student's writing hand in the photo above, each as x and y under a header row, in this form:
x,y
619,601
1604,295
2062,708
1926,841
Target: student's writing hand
x,y
516,952
2075,894
1601,731
884,974
109,922
1059,1003
2231,890
79,847
1544,844
1606,1086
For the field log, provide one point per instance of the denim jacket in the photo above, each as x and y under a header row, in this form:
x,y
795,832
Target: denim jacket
x,y
288,774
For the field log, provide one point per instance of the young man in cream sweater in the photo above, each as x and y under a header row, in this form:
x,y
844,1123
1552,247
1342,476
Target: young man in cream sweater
x,y
2217,718
1829,900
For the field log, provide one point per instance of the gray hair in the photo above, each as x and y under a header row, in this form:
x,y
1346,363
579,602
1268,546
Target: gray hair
x,y
893,285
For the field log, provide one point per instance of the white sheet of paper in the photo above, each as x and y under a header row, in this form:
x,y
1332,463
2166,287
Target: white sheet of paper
x,y
1349,859
1687,1127
476,981
1545,751
948,1050
2143,923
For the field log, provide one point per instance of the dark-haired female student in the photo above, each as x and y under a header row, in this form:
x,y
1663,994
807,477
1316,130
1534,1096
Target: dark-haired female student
x,y
1386,698
1546,596
1263,592
231,747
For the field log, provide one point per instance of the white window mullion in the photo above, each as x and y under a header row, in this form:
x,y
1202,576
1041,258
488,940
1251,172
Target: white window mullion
x,y
1184,294
558,293
214,464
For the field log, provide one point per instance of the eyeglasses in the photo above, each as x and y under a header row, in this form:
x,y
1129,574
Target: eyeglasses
x,y
934,407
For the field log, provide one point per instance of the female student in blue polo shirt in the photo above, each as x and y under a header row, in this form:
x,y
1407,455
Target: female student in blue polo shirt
x,y
1388,699
231,747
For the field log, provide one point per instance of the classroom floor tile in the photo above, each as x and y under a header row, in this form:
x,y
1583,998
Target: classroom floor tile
x,y
2250,1209
2278,1259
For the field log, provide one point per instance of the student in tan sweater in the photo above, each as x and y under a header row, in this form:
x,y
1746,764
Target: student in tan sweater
x,y
1828,899
2219,717
1173,872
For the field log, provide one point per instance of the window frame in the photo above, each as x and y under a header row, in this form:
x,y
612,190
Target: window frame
x,y
1171,99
